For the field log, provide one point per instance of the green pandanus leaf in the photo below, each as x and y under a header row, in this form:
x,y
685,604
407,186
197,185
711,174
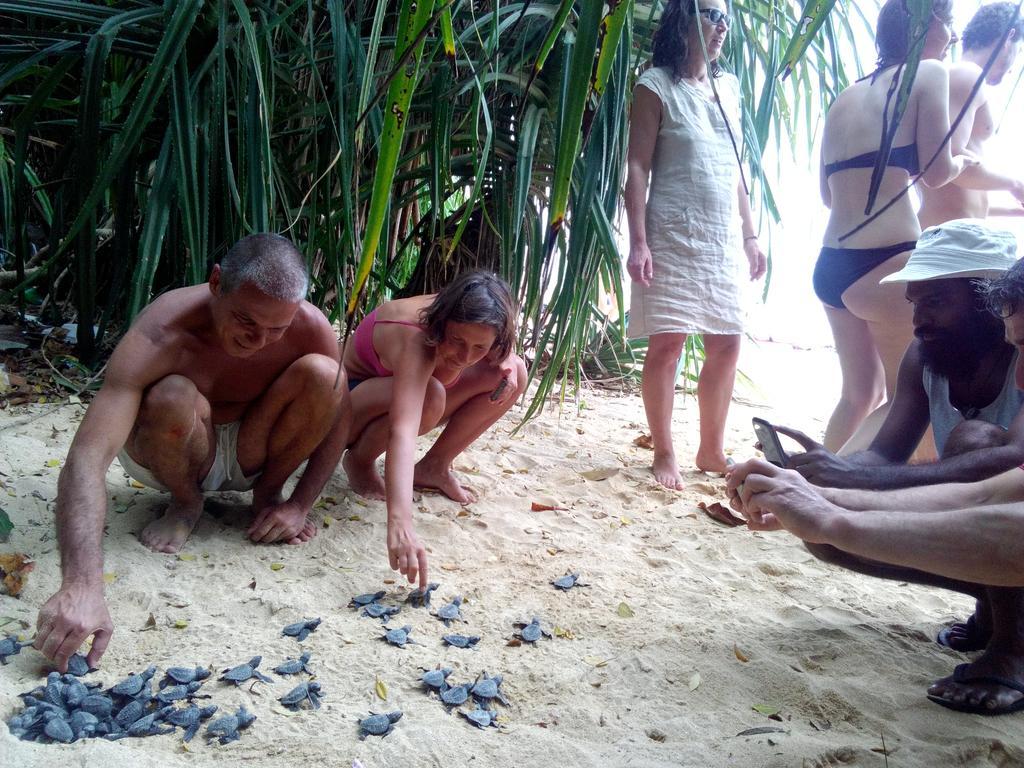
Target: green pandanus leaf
x,y
22,123
483,155
902,83
549,41
608,46
812,18
570,133
154,228
411,20
530,129
448,38
612,25
184,126
179,24
441,129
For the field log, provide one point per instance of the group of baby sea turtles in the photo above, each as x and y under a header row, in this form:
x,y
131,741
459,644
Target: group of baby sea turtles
x,y
483,691
67,709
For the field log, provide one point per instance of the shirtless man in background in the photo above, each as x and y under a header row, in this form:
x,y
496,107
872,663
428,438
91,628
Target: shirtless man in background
x,y
966,197
228,385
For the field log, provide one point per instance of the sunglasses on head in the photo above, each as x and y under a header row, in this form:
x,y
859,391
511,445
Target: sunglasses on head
x,y
714,15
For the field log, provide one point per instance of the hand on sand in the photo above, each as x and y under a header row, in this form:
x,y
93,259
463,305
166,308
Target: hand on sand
x,y
67,619
405,553
281,521
771,498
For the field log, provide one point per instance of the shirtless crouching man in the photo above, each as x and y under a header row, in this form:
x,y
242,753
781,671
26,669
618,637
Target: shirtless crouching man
x,y
967,196
223,386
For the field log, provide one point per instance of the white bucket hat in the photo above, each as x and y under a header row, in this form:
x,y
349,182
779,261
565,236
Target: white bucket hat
x,y
958,248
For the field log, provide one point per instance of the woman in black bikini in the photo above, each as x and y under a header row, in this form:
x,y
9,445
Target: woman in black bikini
x,y
871,323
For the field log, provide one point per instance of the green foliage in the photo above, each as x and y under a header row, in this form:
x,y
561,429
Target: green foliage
x,y
396,142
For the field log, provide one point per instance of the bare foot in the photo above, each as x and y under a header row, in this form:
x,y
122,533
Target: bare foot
x,y
363,479
711,462
428,475
666,471
169,532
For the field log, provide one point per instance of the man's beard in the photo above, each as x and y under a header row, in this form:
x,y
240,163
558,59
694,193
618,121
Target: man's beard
x,y
956,353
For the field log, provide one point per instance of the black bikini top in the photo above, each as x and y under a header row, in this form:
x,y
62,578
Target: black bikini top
x,y
904,157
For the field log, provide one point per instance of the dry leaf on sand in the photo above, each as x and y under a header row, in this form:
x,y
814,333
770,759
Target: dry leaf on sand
x,y
644,441
601,473
14,568
716,511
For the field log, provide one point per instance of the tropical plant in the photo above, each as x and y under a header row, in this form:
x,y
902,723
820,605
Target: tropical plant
x,y
397,142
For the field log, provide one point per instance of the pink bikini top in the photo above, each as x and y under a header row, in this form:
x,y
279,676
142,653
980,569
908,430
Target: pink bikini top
x,y
365,351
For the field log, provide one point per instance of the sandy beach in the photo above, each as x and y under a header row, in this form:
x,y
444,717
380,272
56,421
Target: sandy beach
x,y
686,625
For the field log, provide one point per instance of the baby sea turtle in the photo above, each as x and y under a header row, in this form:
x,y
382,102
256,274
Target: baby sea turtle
x,y
183,675
294,666
435,678
399,636
454,695
58,729
567,582
380,611
54,690
74,692
420,598
133,685
83,724
309,691
179,692
300,629
360,600
226,727
78,666
532,632
190,717
461,641
97,704
450,612
149,725
378,725
481,718
487,688
10,646
130,712
243,672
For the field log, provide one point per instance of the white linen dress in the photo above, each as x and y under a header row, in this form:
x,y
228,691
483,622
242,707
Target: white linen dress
x,y
693,224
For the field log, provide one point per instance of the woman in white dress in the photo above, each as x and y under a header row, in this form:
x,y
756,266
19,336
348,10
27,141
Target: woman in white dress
x,y
693,236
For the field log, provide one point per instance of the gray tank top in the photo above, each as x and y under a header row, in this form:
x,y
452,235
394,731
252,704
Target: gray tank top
x,y
945,417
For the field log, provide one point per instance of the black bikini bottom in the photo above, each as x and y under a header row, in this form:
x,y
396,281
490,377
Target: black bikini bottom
x,y
839,268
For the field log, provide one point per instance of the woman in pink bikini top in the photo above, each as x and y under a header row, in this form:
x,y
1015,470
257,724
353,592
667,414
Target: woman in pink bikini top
x,y
414,363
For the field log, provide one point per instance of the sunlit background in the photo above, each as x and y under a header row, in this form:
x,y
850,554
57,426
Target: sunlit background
x,y
792,313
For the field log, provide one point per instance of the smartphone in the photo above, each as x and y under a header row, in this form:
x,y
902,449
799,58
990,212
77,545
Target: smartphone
x,y
771,446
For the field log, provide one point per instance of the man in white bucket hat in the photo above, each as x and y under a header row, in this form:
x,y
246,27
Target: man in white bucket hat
x,y
956,376
959,536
